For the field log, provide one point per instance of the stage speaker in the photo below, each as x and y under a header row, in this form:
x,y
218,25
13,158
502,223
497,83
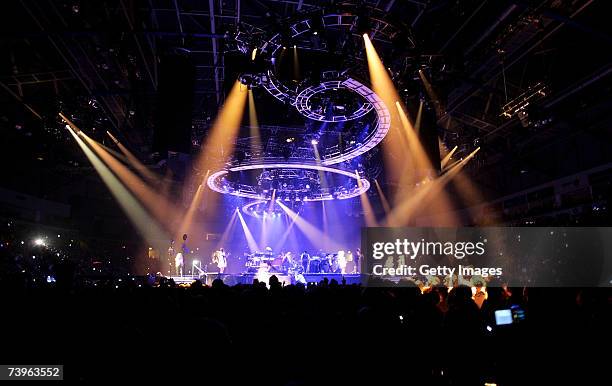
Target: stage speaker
x,y
174,105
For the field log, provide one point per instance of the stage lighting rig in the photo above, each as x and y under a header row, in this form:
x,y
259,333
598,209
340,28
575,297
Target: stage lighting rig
x,y
250,80
518,106
289,182
315,63
332,82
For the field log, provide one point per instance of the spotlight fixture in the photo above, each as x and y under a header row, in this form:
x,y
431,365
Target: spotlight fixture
x,y
314,142
290,139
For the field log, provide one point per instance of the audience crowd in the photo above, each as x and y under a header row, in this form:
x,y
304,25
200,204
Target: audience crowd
x,y
115,327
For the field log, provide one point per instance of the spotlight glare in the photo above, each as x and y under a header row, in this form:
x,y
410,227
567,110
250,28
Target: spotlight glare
x,y
314,142
39,242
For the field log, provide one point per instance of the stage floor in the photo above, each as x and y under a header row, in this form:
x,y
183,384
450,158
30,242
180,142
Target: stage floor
x,y
247,278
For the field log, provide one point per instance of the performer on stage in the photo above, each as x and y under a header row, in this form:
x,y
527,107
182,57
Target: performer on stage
x,y
287,262
357,258
342,262
305,257
220,258
350,262
179,260
171,255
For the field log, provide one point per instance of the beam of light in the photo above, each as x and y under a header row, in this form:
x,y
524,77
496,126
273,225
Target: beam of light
x,y
325,221
133,160
383,198
420,160
456,176
265,219
433,96
142,220
264,224
263,236
314,235
163,210
322,179
187,221
272,200
451,165
423,167
227,231
469,194
403,213
447,158
116,154
254,126
247,233
406,162
219,145
417,122
394,151
296,65
368,212
281,242
166,183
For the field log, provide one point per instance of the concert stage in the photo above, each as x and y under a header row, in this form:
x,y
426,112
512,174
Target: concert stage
x,y
247,278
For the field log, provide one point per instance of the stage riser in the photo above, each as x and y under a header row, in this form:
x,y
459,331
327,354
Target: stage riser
x,y
231,279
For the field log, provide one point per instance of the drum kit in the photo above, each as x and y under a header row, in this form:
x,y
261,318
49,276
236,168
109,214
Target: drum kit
x,y
328,263
287,264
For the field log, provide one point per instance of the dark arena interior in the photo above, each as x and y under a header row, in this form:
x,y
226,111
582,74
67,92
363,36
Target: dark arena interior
x,y
199,191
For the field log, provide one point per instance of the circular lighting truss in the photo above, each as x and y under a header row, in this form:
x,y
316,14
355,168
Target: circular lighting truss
x,y
297,193
371,102
338,96
327,107
263,210
381,128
